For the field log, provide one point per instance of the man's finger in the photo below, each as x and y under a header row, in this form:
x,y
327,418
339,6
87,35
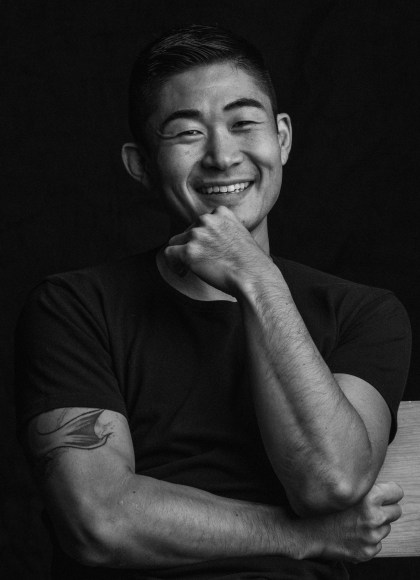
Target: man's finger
x,y
173,256
384,494
179,239
392,512
384,531
392,492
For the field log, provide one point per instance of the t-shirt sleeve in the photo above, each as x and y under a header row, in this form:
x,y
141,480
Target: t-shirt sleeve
x,y
62,354
375,345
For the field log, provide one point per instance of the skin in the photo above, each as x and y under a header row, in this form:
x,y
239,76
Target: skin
x,y
333,429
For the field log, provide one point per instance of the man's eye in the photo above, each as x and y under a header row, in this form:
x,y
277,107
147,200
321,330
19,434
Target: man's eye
x,y
189,133
244,124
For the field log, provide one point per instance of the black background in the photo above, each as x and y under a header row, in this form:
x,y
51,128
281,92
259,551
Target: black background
x,y
346,72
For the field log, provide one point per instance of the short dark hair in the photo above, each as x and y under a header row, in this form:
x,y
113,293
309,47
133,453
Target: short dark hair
x,y
184,48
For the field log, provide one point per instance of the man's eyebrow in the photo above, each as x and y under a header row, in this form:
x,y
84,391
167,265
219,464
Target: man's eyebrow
x,y
244,102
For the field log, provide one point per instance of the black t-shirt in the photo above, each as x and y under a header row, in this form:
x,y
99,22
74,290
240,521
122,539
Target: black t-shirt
x,y
118,337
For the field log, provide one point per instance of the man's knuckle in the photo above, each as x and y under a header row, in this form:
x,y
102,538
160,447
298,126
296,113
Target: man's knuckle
x,y
194,234
386,531
223,210
377,535
374,495
374,512
189,252
378,518
369,519
205,218
370,551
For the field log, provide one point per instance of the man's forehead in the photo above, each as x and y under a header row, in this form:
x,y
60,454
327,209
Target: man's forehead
x,y
214,85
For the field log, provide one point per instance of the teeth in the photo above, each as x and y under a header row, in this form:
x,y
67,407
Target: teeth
x,y
225,188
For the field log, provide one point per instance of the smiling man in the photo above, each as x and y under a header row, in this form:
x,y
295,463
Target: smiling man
x,y
207,410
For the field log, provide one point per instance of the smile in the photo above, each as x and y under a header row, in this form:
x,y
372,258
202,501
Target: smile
x,y
231,188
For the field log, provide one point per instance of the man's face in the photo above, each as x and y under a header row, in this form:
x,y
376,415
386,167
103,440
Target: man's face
x,y
214,141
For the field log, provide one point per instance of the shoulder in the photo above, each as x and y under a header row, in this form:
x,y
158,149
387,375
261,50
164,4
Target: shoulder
x,y
72,336
109,275
314,288
305,278
95,303
338,311
100,285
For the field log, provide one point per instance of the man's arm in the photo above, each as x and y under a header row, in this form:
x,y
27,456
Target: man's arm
x,y
106,515
325,435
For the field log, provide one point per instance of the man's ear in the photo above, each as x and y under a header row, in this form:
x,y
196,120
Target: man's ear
x,y
284,131
136,163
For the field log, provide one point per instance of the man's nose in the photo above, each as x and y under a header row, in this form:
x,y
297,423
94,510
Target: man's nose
x,y
222,151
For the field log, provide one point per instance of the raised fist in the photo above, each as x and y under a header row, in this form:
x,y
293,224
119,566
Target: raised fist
x,y
219,250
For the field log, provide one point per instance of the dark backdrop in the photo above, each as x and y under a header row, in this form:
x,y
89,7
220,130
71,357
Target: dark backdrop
x,y
345,71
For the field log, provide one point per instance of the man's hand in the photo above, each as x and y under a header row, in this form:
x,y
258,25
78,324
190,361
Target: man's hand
x,y
355,535
219,250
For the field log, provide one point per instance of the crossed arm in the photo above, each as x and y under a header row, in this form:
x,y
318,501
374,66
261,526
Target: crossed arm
x,y
106,515
326,435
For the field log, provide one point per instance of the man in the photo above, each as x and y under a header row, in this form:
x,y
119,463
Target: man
x,y
207,410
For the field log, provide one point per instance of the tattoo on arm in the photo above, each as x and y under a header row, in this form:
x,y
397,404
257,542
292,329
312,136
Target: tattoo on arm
x,y
78,433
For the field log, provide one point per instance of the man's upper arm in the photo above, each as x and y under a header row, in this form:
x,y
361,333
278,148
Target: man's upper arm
x,y
81,457
374,345
373,411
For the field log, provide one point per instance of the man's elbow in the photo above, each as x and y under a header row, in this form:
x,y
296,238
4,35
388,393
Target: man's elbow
x,y
92,544
321,499
107,542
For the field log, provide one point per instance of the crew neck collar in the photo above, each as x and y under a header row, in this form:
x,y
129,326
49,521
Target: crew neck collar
x,y
179,293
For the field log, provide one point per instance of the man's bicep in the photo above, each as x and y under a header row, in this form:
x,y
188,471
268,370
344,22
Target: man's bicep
x,y
81,457
374,412
75,438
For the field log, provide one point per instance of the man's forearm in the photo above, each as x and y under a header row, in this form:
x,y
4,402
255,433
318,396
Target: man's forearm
x,y
155,524
315,439
106,515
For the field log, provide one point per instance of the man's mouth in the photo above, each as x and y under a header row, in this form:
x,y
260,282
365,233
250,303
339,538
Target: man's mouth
x,y
224,188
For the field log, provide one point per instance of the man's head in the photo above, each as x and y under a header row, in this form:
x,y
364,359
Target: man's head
x,y
203,113
183,49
